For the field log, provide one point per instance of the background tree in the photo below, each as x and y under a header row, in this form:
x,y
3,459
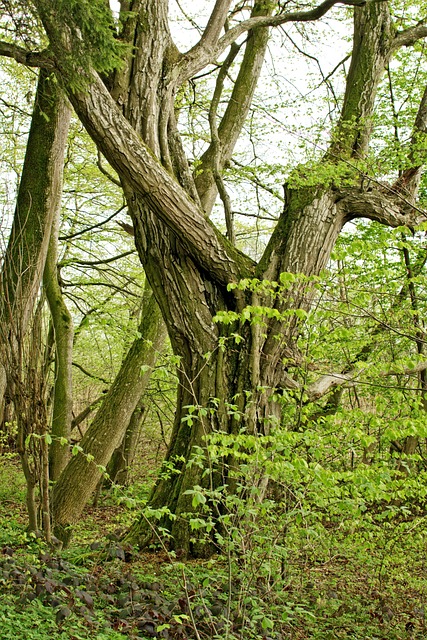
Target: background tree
x,y
34,224
37,206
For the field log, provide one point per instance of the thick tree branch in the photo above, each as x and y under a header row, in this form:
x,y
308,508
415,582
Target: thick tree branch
x,y
230,127
372,39
210,163
325,383
215,25
282,18
408,371
29,58
216,146
209,40
421,118
140,171
329,381
382,205
136,164
410,36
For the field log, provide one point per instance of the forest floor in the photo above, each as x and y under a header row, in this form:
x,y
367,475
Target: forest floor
x,y
359,584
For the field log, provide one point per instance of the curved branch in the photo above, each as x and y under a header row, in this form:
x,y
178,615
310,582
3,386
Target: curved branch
x,y
275,21
93,226
41,59
323,385
209,40
105,171
383,205
94,263
410,36
198,57
329,381
137,166
90,375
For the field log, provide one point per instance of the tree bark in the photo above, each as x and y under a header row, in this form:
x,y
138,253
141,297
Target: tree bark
x,y
37,205
123,457
159,131
62,322
188,263
80,477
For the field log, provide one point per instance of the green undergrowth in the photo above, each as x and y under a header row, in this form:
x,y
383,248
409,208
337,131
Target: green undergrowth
x,y
362,580
37,621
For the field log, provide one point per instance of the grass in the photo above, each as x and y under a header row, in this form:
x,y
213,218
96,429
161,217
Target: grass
x,y
364,582
38,622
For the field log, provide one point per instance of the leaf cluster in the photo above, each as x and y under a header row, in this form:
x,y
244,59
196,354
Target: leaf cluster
x,y
92,34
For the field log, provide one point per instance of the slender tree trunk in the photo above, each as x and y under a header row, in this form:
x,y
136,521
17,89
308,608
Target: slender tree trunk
x,y
44,486
3,387
37,205
123,457
63,391
84,470
30,404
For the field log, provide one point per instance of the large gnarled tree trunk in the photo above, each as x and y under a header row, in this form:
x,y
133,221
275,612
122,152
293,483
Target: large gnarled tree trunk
x,y
188,262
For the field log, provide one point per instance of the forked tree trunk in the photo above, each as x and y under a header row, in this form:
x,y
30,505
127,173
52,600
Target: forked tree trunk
x,y
188,263
230,387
